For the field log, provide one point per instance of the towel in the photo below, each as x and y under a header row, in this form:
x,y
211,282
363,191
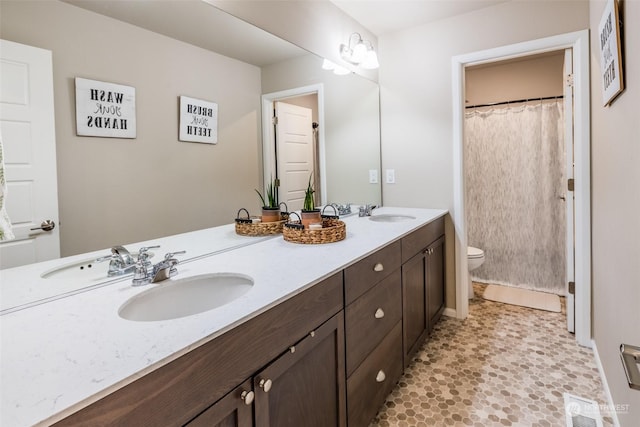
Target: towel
x,y
5,223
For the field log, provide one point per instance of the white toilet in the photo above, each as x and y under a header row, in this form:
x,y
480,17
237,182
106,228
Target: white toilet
x,y
475,258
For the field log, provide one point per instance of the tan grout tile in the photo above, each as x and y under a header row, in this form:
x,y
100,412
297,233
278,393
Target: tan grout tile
x,y
502,366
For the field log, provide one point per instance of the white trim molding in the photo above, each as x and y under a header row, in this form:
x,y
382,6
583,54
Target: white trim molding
x,y
579,42
605,384
268,136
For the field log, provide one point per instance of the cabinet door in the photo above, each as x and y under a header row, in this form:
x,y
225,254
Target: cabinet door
x,y
233,410
435,281
414,314
306,385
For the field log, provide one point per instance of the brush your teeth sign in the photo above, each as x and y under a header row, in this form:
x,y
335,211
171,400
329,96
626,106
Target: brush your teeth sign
x,y
610,53
105,110
198,120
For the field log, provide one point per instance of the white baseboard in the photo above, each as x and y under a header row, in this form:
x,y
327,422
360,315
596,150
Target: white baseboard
x,y
605,384
450,312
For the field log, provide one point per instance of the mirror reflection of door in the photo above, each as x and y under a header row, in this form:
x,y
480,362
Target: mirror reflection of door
x,y
29,148
296,151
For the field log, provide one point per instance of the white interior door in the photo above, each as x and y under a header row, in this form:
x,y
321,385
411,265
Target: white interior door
x,y
569,195
294,152
28,137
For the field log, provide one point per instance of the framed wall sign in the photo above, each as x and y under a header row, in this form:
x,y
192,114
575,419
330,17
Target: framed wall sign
x,y
106,110
610,53
198,120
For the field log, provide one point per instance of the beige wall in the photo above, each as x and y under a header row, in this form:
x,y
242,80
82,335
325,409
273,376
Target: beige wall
x,y
116,191
533,77
615,154
416,94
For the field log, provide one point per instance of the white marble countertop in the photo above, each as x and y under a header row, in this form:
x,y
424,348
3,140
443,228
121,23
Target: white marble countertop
x,y
60,356
25,286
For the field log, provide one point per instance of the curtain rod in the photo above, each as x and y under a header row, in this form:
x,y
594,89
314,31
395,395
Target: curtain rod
x,y
515,101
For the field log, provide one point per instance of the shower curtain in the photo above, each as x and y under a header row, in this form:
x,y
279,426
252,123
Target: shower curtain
x,y
515,163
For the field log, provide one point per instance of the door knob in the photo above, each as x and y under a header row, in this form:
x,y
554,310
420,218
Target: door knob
x,y
47,225
379,314
378,267
381,376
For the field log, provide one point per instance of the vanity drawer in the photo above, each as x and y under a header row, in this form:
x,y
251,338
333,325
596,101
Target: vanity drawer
x,y
363,275
421,238
374,379
370,318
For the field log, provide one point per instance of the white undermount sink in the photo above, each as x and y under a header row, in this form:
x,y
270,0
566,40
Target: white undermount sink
x,y
173,299
391,218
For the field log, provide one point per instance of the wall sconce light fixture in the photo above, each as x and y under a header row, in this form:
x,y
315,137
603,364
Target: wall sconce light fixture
x,y
340,71
359,52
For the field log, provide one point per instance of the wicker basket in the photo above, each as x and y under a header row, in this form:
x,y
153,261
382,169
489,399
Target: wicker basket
x,y
333,230
246,227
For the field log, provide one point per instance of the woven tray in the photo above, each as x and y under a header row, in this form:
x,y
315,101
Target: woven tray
x,y
333,230
246,227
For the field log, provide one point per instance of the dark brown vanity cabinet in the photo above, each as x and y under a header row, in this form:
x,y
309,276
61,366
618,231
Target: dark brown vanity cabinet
x,y
210,380
305,386
302,387
423,292
373,332
233,410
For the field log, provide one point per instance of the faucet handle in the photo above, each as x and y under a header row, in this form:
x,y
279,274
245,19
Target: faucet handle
x,y
143,251
170,255
105,258
140,274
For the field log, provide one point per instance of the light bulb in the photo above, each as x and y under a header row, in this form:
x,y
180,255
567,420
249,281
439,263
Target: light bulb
x,y
328,65
340,71
370,61
359,53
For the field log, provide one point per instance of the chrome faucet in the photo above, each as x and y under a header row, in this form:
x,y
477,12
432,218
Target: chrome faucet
x,y
342,209
121,261
146,273
366,210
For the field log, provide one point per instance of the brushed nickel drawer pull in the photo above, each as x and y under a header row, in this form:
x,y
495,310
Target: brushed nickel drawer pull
x,y
247,397
381,376
378,267
292,349
379,313
265,385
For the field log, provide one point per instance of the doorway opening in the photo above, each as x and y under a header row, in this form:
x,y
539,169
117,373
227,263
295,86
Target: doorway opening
x,y
517,159
294,144
578,43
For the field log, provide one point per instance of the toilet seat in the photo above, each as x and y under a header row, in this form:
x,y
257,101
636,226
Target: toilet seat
x,y
474,252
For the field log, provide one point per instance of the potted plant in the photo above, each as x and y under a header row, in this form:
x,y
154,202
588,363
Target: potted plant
x,y
270,206
309,214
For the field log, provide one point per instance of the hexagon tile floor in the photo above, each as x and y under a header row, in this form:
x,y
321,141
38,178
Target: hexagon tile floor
x,y
503,366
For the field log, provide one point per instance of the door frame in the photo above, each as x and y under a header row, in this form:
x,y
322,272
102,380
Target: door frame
x,y
579,42
268,134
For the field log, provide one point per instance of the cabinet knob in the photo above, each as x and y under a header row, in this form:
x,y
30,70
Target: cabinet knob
x,y
378,267
379,313
265,385
381,376
247,397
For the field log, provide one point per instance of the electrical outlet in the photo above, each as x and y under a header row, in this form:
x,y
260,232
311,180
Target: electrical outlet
x,y
391,176
373,176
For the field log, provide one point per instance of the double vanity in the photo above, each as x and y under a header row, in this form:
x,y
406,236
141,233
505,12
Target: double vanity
x,y
262,333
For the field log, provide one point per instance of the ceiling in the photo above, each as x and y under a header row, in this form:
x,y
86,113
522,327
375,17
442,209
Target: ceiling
x,y
387,16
